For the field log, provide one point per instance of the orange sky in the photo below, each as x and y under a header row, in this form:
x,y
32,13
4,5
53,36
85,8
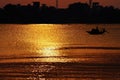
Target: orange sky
x,y
62,3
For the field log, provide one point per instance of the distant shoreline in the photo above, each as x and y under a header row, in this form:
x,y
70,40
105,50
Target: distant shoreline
x,y
92,13
59,22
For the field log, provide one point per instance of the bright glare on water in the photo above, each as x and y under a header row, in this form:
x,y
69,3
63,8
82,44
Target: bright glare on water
x,y
59,52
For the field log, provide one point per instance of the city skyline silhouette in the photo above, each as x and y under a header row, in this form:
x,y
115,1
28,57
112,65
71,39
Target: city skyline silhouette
x,y
78,12
62,3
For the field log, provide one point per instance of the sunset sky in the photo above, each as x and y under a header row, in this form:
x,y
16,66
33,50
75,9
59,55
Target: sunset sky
x,y
62,3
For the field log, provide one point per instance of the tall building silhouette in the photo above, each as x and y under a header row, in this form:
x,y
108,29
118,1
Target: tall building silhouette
x,y
57,3
90,3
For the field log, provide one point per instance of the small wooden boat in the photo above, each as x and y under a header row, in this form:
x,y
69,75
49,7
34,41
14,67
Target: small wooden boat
x,y
96,31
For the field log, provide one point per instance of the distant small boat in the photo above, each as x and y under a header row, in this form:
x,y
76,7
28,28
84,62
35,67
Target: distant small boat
x,y
96,31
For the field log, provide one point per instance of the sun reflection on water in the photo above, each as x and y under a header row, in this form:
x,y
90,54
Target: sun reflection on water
x,y
50,51
48,54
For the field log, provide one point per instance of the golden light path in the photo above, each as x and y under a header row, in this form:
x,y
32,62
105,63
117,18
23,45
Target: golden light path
x,y
47,43
50,51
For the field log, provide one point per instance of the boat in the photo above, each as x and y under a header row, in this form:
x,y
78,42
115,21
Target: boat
x,y
97,31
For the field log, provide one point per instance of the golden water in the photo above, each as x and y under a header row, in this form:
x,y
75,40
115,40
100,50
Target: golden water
x,y
59,52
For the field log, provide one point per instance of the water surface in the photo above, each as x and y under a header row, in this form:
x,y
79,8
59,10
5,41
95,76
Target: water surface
x,y
59,52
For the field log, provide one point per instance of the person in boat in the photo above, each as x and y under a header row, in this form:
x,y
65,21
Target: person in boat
x,y
104,30
95,30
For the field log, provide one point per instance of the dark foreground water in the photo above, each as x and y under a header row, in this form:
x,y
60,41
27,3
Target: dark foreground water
x,y
59,71
59,52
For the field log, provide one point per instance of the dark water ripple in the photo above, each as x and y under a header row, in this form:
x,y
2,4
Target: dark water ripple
x,y
38,70
91,47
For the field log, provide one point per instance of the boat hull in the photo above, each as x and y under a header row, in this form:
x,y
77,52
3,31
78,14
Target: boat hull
x,y
95,33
